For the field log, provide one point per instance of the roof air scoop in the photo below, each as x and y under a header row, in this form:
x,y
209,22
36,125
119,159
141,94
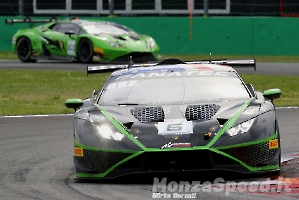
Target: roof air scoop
x,y
119,37
171,61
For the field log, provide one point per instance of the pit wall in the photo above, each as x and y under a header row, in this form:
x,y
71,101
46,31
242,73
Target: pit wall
x,y
202,35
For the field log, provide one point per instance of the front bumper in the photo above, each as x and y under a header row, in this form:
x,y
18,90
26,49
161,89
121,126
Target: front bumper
x,y
253,158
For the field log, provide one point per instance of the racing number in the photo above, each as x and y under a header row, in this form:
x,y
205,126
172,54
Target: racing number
x,y
174,127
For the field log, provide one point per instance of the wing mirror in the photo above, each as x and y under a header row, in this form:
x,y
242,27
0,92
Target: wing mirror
x,y
272,94
69,33
73,103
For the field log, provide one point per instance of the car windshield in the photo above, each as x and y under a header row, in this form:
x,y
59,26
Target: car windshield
x,y
106,28
173,87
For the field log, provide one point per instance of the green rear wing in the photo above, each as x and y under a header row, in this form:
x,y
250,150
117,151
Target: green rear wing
x,y
30,21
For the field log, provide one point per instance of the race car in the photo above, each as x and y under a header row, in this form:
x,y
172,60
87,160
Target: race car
x,y
81,40
175,116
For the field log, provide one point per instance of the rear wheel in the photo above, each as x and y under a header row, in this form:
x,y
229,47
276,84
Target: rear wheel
x,y
24,50
85,51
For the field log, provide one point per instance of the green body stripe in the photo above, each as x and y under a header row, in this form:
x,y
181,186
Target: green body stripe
x,y
111,168
120,127
103,149
230,122
252,169
249,143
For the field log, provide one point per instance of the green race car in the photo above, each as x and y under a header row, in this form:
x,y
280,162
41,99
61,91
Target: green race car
x,y
80,40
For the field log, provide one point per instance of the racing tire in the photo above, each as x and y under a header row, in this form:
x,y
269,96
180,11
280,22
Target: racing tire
x,y
85,51
24,50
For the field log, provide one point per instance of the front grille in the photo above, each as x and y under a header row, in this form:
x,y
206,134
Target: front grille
x,y
177,161
148,114
201,112
100,161
255,155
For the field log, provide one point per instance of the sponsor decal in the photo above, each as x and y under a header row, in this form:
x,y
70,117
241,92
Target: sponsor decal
x,y
180,72
176,145
122,84
273,144
78,151
71,47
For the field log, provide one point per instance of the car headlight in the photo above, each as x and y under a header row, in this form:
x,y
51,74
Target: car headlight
x,y
108,133
113,44
151,43
240,128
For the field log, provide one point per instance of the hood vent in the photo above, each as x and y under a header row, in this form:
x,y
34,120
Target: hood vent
x,y
201,112
222,121
148,114
118,37
134,37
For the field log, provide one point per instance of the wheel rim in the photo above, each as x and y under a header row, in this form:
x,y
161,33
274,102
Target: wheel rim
x,y
23,49
85,51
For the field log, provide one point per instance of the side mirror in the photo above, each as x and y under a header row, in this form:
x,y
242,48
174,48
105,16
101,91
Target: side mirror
x,y
69,33
272,94
73,103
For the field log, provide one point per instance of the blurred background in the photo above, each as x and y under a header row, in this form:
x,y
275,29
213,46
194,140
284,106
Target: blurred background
x,y
151,7
220,27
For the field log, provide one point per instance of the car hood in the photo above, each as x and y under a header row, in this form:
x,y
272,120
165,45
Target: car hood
x,y
205,119
122,37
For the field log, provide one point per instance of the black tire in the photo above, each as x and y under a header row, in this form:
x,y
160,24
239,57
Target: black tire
x,y
85,51
24,50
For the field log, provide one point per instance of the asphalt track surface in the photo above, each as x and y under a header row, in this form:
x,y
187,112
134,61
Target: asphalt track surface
x,y
261,68
36,157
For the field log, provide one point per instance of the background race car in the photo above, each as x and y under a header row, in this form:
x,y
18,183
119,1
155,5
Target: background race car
x,y
80,40
175,116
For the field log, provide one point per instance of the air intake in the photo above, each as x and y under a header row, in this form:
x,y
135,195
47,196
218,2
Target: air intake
x,y
201,112
148,114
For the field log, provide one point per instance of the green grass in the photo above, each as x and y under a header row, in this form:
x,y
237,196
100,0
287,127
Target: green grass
x,y
8,56
31,92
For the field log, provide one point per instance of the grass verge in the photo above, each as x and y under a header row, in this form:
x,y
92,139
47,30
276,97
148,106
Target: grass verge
x,y
32,92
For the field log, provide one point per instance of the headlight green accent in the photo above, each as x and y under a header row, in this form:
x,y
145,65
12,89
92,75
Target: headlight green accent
x,y
120,127
102,149
230,122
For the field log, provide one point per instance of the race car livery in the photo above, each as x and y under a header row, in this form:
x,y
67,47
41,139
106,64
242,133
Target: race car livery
x,y
175,116
85,41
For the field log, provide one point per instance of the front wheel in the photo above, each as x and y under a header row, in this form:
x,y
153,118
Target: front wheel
x,y
24,50
85,51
